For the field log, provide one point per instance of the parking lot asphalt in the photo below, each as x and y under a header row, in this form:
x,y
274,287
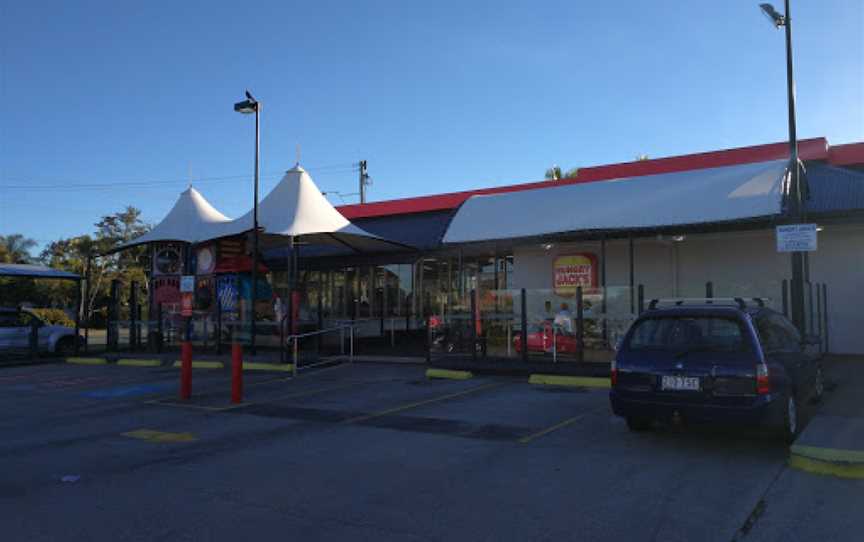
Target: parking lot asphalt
x,y
372,451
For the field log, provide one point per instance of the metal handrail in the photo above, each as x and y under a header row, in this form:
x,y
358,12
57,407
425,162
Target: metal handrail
x,y
294,339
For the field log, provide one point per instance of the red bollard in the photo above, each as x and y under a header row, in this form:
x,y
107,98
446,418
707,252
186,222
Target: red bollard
x,y
236,373
186,370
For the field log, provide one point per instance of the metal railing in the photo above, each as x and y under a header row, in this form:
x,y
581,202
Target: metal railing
x,y
295,339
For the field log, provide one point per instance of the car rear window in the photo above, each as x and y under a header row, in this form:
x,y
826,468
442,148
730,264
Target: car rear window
x,y
688,333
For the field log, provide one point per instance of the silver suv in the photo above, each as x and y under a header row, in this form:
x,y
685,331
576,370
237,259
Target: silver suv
x,y
15,331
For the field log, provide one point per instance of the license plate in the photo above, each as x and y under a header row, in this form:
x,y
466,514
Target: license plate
x,y
680,383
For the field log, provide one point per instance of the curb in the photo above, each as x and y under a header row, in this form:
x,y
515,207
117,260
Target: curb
x,y
259,366
139,362
87,361
577,381
446,373
203,364
829,461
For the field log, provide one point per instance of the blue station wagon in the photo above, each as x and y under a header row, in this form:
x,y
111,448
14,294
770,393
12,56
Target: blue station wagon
x,y
731,362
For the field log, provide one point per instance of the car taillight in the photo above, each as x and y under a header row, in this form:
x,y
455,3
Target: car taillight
x,y
763,383
613,372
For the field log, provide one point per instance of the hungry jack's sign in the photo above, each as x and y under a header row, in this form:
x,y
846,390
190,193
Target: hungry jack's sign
x,y
574,270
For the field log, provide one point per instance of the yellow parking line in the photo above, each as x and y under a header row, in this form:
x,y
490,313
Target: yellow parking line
x,y
87,361
422,403
258,366
139,362
562,380
557,426
203,364
446,373
159,436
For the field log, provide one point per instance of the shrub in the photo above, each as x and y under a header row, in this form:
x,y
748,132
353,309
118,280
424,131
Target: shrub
x,y
54,317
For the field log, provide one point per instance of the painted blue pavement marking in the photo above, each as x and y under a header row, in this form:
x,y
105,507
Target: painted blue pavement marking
x,y
128,391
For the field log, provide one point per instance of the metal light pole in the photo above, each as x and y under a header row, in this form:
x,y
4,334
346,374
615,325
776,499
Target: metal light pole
x,y
795,202
248,106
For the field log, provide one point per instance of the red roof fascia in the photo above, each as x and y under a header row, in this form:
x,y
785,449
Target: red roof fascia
x,y
851,154
808,149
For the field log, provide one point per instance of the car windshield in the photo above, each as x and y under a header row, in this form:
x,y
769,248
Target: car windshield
x,y
687,333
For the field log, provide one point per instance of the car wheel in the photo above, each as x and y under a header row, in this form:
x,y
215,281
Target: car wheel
x,y
791,419
638,423
818,385
65,347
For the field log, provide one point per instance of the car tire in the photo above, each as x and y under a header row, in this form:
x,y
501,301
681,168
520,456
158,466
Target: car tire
x,y
639,423
791,419
65,347
818,385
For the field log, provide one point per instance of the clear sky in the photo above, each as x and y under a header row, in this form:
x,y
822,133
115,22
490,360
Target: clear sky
x,y
436,96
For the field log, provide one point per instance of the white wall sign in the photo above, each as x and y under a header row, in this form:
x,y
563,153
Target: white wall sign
x,y
796,238
187,284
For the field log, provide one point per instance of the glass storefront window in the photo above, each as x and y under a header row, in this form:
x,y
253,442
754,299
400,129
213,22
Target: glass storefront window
x,y
364,292
339,294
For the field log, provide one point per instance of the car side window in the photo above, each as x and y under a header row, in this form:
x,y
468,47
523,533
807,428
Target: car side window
x,y
791,337
768,336
777,334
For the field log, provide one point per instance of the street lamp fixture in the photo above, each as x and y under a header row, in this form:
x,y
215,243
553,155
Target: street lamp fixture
x,y
247,107
776,19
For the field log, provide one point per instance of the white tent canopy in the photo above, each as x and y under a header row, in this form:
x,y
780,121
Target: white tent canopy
x,y
191,220
297,209
693,197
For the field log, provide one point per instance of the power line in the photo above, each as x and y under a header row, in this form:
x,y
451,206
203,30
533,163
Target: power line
x,y
73,186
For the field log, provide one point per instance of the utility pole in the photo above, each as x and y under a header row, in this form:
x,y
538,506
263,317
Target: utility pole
x,y
364,181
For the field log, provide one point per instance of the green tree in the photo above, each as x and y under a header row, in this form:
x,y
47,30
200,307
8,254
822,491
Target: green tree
x,y
106,264
15,248
556,174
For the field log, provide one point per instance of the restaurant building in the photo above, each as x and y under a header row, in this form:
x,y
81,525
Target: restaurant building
x,y
682,226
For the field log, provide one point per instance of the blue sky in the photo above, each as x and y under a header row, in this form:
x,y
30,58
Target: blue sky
x,y
436,96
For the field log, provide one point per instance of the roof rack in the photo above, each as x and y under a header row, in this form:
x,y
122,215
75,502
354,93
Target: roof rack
x,y
740,302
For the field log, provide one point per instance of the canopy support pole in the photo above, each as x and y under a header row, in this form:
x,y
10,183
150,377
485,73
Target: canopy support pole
x,y
87,273
77,314
292,258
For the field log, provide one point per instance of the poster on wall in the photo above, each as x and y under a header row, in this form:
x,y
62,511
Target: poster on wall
x,y
227,293
166,290
572,271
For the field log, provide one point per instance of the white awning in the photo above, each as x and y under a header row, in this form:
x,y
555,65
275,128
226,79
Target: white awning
x,y
191,220
723,194
21,270
297,208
